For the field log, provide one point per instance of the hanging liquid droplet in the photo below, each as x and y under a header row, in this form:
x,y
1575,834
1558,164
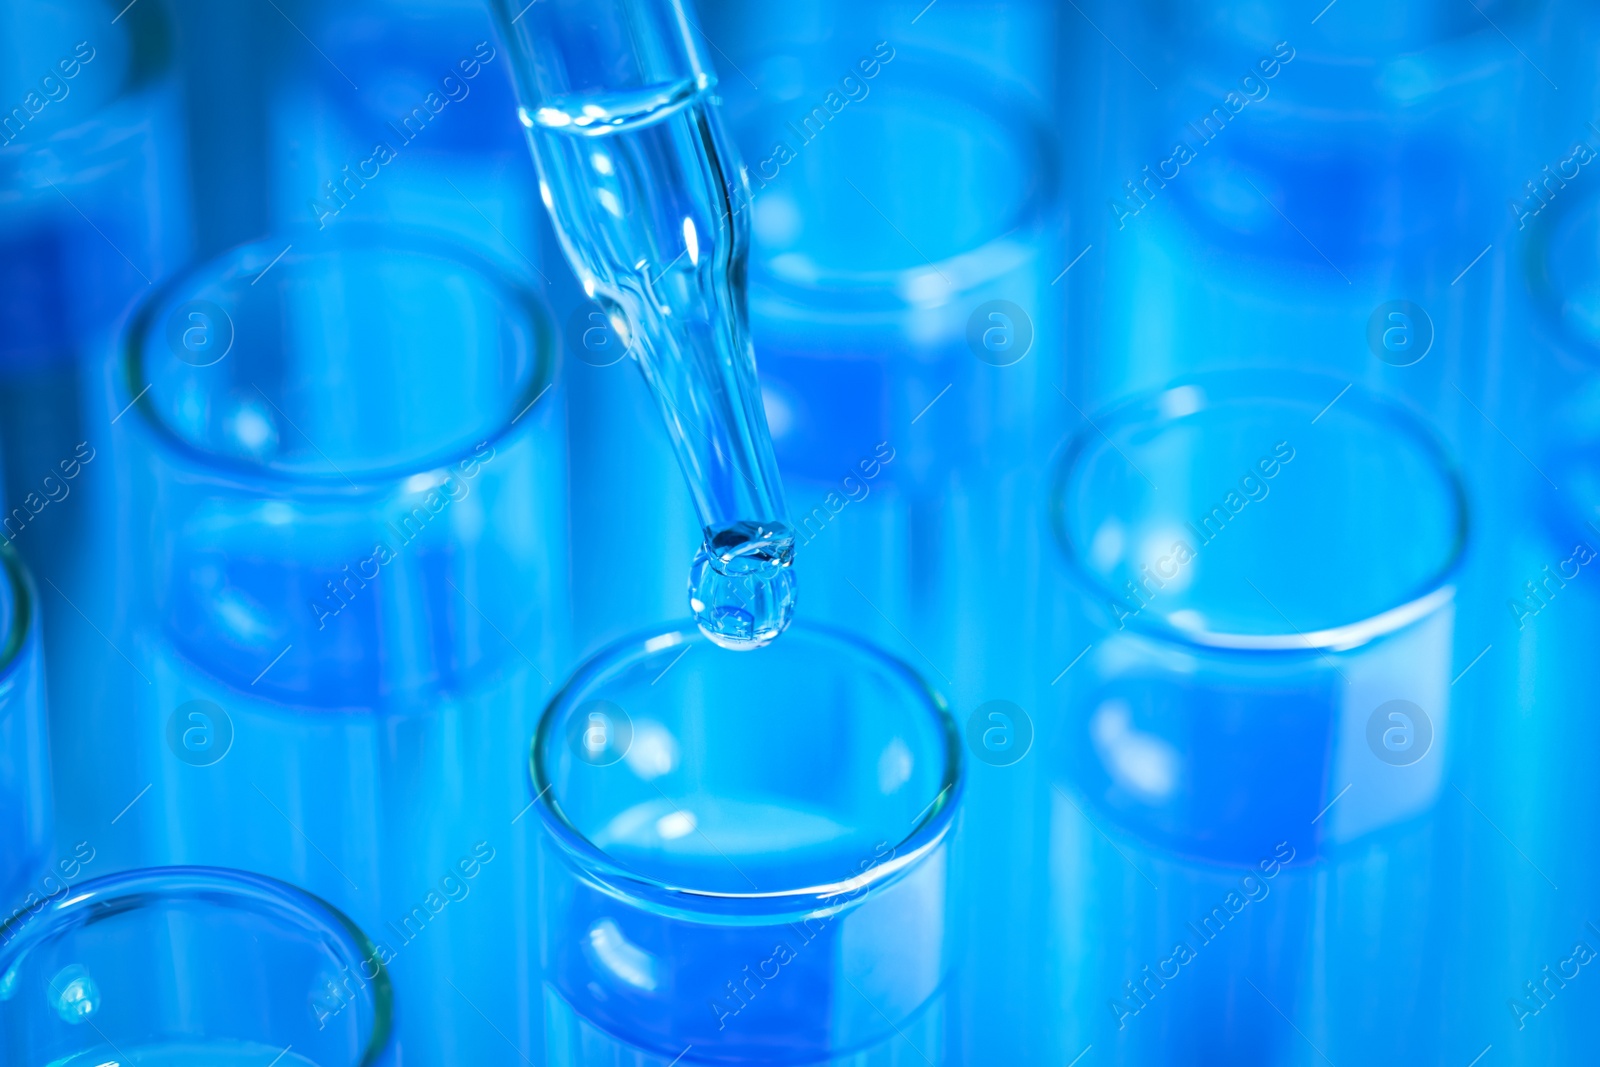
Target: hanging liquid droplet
x,y
75,995
741,585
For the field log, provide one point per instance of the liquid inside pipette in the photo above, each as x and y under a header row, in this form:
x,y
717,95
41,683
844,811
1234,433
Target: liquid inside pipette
x,y
654,220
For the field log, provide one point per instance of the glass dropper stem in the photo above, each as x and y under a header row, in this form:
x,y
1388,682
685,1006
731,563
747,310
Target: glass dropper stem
x,y
651,206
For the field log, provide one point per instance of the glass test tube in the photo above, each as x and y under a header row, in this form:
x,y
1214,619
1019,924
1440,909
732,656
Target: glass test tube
x,y
177,966
93,206
337,401
1262,612
903,390
1528,767
347,472
902,257
1560,272
752,856
882,236
424,142
26,823
1304,185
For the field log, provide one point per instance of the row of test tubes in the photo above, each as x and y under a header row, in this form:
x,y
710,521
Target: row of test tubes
x,y
1192,464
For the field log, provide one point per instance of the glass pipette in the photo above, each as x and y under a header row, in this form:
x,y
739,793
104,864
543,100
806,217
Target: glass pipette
x,y
651,204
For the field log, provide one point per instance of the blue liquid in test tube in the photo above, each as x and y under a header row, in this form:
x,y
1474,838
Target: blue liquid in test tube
x,y
906,328
1262,709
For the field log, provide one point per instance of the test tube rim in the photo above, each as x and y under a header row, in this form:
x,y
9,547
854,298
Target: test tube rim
x,y
599,870
1366,63
1410,608
101,898
134,340
1546,296
883,290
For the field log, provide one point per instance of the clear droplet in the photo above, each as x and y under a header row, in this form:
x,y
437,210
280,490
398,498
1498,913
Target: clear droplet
x,y
76,996
741,587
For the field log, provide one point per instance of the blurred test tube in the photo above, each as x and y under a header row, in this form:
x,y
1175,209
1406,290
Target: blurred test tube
x,y
345,473
1262,588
